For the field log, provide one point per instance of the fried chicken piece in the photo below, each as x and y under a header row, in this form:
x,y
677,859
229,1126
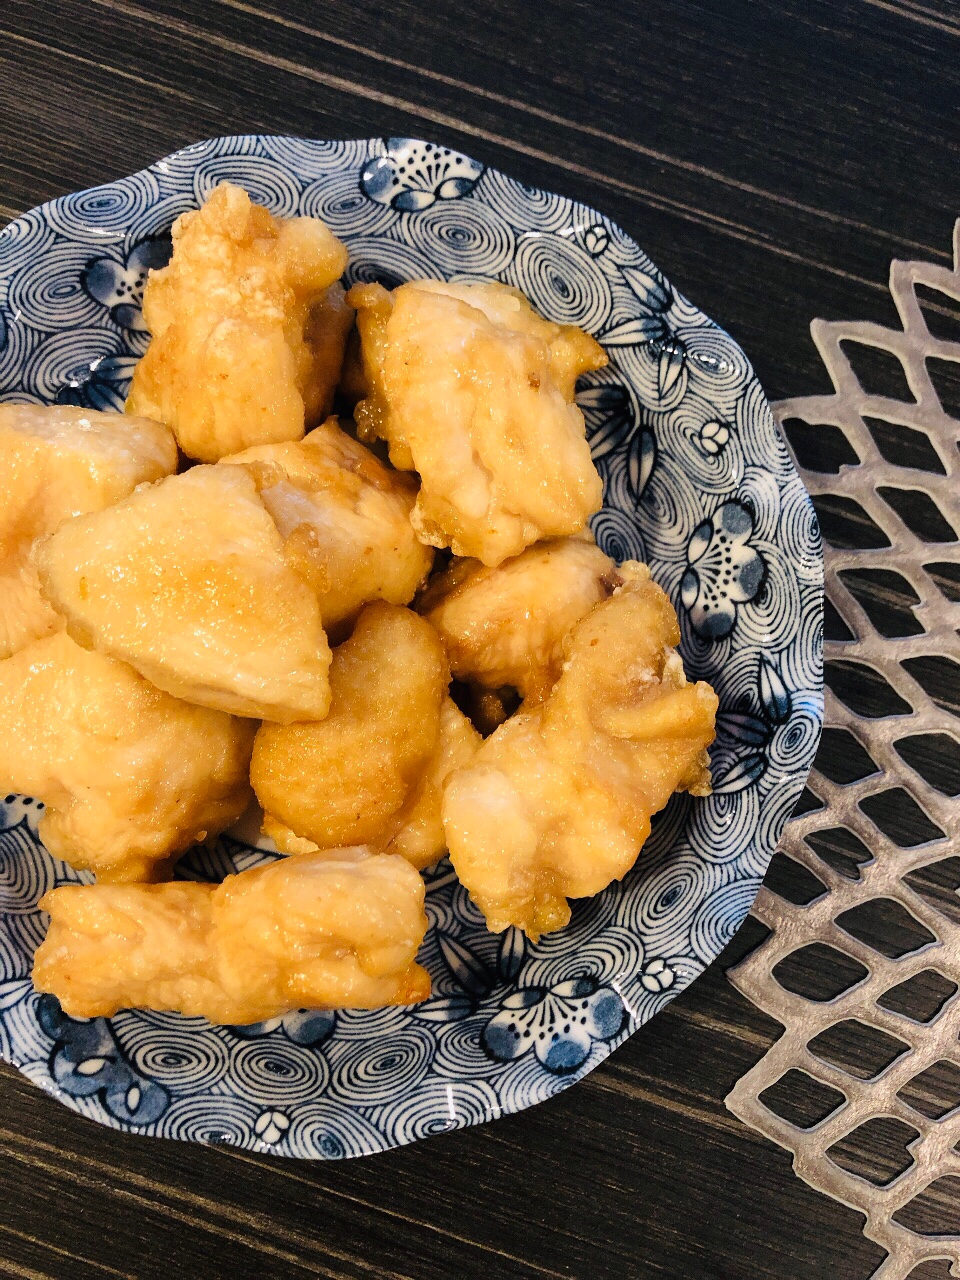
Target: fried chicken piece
x,y
475,391
557,803
56,462
506,626
130,777
378,761
345,518
249,328
187,580
320,931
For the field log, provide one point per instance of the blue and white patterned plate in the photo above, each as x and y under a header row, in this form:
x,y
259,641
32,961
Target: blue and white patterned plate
x,y
697,482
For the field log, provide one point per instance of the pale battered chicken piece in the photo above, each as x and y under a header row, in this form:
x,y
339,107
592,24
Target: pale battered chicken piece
x,y
249,327
57,461
475,391
420,838
129,776
557,803
320,931
377,762
506,626
345,518
187,581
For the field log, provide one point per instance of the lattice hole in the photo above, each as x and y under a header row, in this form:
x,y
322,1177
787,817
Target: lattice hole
x,y
818,972
920,998
834,627
864,690
857,1048
876,1150
842,759
938,883
886,926
939,677
945,376
845,524
840,850
820,447
904,446
934,1092
879,372
935,1269
919,513
900,818
886,598
809,802
792,881
935,1211
935,757
939,312
801,1100
946,578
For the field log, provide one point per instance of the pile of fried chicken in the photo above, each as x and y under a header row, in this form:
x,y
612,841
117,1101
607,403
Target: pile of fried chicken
x,y
223,593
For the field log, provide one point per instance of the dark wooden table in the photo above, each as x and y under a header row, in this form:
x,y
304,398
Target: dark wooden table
x,y
772,156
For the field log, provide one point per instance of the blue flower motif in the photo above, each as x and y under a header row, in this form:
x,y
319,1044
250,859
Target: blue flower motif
x,y
308,1027
723,571
596,239
713,438
613,421
271,1126
119,285
651,328
87,1061
413,175
657,975
472,973
558,1023
101,384
752,726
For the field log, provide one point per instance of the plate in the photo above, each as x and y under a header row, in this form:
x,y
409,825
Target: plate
x,y
697,482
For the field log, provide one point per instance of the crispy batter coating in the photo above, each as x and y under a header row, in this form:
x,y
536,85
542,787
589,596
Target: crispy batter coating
x,y
421,839
506,626
57,461
474,390
333,930
558,801
129,775
187,580
249,328
345,519
377,762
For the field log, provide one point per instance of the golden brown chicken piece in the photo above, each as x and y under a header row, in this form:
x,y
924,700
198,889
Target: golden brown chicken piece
x,y
475,391
130,777
506,626
187,580
58,461
345,518
249,328
557,803
320,931
379,759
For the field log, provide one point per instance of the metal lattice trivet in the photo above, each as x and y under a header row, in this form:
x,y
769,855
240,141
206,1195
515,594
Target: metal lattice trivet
x,y
934,1152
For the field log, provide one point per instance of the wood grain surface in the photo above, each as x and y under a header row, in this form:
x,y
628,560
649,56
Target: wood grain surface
x,y
772,156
